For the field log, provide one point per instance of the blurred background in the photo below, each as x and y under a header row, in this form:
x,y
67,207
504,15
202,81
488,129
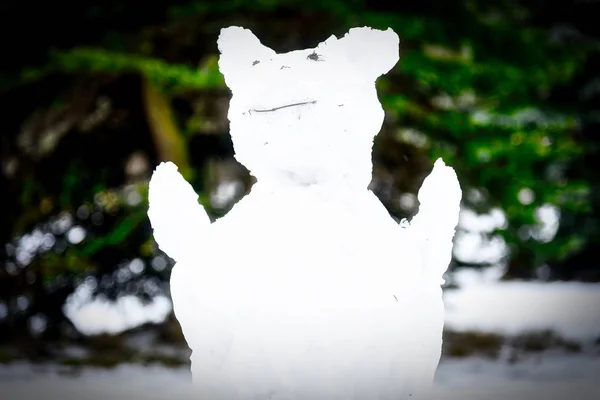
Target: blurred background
x,y
93,95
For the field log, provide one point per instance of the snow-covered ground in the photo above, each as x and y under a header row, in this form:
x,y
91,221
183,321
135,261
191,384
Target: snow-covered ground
x,y
480,304
569,309
545,377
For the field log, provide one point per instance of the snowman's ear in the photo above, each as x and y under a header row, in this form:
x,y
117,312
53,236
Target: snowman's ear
x,y
373,51
239,49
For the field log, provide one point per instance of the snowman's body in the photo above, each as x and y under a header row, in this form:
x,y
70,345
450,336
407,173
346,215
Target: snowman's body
x,y
307,288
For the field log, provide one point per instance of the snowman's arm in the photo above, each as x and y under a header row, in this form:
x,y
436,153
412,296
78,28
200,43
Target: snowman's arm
x,y
435,224
178,220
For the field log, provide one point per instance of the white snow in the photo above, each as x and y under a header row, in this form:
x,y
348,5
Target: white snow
x,y
548,377
182,229
225,193
569,309
308,276
93,316
481,303
309,115
471,243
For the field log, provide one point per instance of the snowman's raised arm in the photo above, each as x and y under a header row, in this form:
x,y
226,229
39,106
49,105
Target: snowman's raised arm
x,y
435,224
178,220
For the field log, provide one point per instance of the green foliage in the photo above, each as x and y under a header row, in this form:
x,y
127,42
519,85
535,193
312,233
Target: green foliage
x,y
477,90
175,78
117,236
469,87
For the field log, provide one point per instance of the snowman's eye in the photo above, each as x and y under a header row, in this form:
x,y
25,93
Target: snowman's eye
x,y
314,56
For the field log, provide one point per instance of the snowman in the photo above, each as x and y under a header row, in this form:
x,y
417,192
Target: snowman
x,y
307,289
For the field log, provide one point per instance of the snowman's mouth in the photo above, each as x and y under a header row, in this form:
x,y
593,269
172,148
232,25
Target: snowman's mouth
x,y
264,110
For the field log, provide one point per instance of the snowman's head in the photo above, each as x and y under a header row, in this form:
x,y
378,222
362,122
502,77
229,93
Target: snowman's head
x,y
307,116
